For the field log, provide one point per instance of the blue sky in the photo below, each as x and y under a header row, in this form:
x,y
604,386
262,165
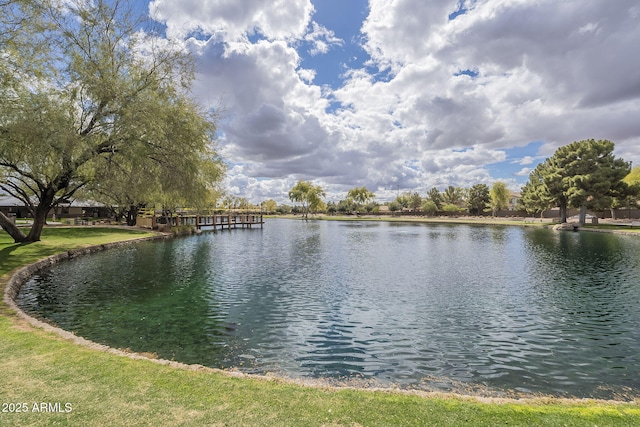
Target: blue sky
x,y
408,93
344,18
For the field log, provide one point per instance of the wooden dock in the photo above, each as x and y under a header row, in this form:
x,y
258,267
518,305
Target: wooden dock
x,y
220,221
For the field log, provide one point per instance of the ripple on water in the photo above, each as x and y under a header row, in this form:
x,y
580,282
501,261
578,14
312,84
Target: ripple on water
x,y
434,307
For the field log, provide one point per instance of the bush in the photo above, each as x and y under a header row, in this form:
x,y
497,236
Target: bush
x,y
429,207
450,208
183,230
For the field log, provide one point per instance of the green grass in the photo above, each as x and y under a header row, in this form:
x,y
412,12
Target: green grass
x,y
58,239
106,389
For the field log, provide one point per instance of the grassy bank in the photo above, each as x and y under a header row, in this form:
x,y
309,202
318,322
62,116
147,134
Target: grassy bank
x,y
98,388
606,225
484,220
55,240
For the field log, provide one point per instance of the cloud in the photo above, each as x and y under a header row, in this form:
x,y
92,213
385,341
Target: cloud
x,y
398,32
569,46
413,115
526,160
234,20
321,39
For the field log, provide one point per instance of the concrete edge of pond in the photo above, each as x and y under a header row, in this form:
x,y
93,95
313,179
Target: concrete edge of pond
x,y
21,275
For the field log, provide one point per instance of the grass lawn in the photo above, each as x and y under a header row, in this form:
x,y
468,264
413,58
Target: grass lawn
x,y
102,389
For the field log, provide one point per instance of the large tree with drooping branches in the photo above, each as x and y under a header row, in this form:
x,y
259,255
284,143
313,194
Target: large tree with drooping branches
x,y
102,95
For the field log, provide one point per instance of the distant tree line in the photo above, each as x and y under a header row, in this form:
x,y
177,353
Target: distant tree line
x,y
477,200
582,175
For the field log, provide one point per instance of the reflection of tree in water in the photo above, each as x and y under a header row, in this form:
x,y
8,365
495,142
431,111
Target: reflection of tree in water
x,y
587,290
579,258
124,300
579,271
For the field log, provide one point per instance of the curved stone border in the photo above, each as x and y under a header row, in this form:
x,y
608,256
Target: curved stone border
x,y
20,276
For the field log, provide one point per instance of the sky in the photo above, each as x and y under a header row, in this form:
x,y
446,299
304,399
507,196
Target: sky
x,y
406,95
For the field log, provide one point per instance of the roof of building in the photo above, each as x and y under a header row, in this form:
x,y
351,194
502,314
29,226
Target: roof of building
x,y
15,202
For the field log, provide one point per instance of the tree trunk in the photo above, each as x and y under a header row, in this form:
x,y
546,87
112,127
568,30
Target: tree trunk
x,y
13,231
132,215
39,220
614,213
40,215
563,212
583,215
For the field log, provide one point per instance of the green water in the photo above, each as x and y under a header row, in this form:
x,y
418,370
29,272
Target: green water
x,y
434,307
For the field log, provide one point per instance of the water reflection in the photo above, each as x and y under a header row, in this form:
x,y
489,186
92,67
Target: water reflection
x,y
426,306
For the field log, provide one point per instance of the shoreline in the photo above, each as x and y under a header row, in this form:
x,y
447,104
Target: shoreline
x,y
627,227
18,277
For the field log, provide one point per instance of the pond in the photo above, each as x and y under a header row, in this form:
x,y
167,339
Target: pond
x,y
498,310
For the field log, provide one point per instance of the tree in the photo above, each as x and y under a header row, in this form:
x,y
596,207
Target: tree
x,y
453,196
450,208
478,199
230,202
284,209
360,196
372,207
332,208
269,206
415,201
20,25
244,204
100,92
535,197
435,196
630,197
132,182
499,195
579,174
593,174
429,207
633,178
317,205
545,189
308,194
124,187
345,206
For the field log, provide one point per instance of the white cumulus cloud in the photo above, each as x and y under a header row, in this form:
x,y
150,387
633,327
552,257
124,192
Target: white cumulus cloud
x,y
438,100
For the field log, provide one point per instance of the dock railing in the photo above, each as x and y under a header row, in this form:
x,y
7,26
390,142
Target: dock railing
x,y
216,221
